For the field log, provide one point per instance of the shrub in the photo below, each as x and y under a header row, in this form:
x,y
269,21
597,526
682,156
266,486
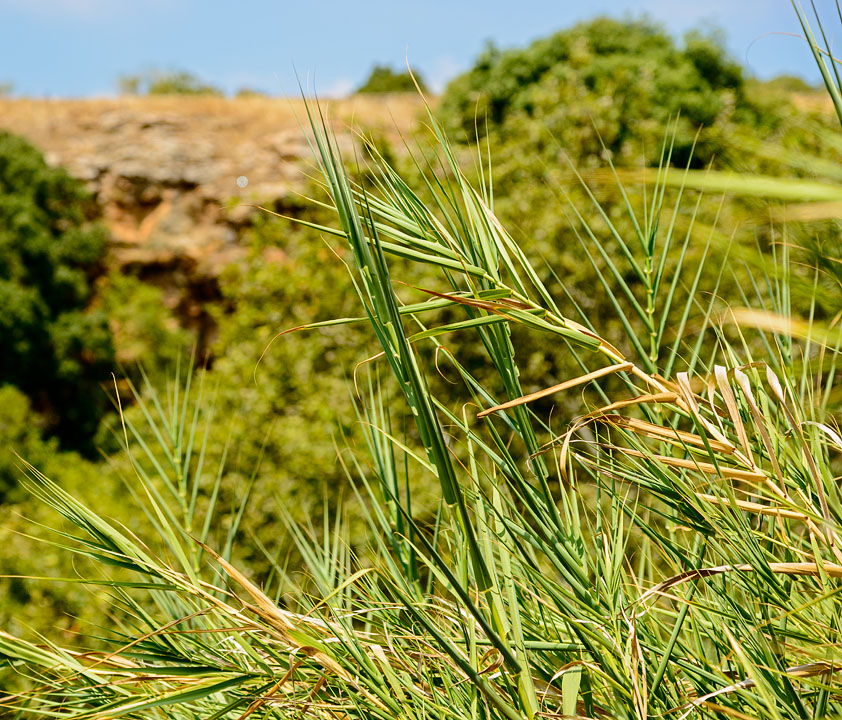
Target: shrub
x,y
146,330
29,606
20,434
603,92
791,84
55,348
600,84
249,92
384,79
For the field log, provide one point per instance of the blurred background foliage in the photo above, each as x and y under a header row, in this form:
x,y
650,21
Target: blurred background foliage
x,y
383,79
166,82
281,408
56,347
604,85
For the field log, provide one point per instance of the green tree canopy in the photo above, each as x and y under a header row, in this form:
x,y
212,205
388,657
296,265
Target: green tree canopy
x,y
54,348
604,81
384,79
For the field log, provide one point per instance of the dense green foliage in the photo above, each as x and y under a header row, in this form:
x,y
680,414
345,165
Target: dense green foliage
x,y
383,79
603,84
790,84
146,331
55,349
270,390
26,604
20,432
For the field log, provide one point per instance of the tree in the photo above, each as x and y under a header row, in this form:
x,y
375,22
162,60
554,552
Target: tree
x,y
384,79
55,348
604,82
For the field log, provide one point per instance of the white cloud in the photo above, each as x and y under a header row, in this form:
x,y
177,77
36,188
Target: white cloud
x,y
441,72
340,87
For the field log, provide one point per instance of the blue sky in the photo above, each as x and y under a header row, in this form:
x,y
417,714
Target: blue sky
x,y
80,47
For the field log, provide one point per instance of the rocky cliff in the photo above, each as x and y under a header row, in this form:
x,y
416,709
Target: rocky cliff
x,y
174,175
165,170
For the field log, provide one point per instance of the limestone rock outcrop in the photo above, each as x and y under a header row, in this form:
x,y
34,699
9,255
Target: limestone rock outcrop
x,y
174,175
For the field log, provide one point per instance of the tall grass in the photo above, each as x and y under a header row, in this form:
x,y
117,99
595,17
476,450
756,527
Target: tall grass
x,y
672,549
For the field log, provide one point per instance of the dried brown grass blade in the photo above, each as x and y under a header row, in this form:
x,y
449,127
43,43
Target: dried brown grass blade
x,y
754,507
665,397
703,467
667,434
780,568
281,620
689,399
727,394
829,534
797,671
745,386
566,385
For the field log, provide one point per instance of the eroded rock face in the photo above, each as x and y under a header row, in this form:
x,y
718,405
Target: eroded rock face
x,y
165,172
